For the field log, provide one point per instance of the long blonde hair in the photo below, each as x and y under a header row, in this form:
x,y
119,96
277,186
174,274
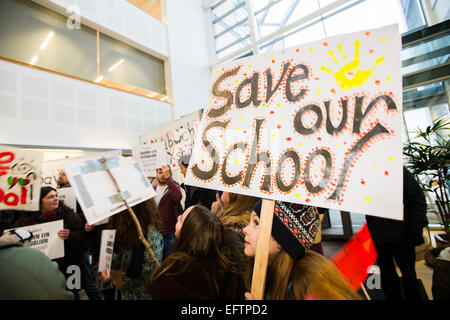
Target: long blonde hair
x,y
237,212
313,274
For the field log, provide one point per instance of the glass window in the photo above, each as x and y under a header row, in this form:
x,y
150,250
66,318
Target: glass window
x,y
230,26
271,15
125,64
413,13
35,35
356,17
425,55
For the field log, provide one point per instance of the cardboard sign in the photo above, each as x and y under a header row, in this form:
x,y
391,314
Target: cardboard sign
x,y
106,250
68,196
319,124
51,169
355,257
150,156
20,179
96,192
45,238
178,137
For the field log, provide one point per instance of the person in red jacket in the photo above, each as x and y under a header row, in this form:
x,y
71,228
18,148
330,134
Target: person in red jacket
x,y
168,195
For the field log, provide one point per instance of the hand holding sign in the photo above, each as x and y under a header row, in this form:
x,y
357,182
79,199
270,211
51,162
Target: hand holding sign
x,y
63,234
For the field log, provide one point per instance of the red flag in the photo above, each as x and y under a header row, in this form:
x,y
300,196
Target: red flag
x,y
355,257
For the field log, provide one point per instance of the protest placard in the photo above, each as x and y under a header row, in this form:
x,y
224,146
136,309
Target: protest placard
x,y
51,170
178,137
68,196
150,156
317,124
97,193
106,250
20,179
45,238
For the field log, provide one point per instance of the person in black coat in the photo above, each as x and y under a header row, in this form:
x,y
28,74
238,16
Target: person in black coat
x,y
394,239
195,195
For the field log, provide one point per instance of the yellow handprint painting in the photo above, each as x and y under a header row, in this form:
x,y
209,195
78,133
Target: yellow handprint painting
x,y
349,76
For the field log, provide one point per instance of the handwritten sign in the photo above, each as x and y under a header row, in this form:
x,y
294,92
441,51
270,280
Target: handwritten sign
x,y
19,179
45,238
106,250
96,192
68,196
178,137
318,124
150,156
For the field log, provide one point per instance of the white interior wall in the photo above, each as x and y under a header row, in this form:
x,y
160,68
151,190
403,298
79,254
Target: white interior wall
x,y
45,109
118,19
39,108
189,55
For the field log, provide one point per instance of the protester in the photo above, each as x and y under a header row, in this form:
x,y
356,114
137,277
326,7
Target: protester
x,y
91,242
132,264
168,196
397,240
198,269
317,244
51,209
195,195
294,272
235,215
27,274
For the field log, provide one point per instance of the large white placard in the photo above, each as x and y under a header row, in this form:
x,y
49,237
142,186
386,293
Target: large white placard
x,y
68,196
20,179
96,191
317,124
178,137
45,238
51,169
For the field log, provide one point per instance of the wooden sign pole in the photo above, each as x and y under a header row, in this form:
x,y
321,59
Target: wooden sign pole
x,y
262,249
133,216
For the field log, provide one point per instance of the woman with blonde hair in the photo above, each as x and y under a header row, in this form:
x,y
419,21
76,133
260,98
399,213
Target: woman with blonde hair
x,y
295,272
235,215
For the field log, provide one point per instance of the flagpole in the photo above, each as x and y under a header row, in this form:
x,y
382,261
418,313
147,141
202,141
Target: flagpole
x,y
365,292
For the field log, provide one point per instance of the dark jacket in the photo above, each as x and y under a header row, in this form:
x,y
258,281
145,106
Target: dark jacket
x,y
441,280
234,238
27,274
192,284
73,246
409,231
167,207
196,195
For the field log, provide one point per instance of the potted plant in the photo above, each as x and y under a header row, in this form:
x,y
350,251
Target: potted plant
x,y
428,158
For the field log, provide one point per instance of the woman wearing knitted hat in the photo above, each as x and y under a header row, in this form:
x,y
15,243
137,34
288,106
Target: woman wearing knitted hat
x,y
294,272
